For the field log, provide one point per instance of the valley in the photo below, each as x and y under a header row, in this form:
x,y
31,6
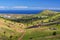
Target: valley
x,y
41,26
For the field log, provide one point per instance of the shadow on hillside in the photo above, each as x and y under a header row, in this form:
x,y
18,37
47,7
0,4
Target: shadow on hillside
x,y
35,26
44,24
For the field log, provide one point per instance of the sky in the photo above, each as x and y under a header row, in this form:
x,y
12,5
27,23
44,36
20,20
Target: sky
x,y
29,4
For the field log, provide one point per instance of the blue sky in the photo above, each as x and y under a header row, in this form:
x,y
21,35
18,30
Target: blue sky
x,y
29,4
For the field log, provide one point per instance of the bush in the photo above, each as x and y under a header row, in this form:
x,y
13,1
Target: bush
x,y
54,33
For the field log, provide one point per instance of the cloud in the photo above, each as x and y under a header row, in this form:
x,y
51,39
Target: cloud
x,y
43,8
19,7
2,7
12,7
25,7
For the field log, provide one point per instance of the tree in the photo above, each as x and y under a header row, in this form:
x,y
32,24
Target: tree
x,y
54,33
42,21
4,32
30,38
10,37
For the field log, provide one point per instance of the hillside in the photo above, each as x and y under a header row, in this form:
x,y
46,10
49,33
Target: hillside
x,y
39,26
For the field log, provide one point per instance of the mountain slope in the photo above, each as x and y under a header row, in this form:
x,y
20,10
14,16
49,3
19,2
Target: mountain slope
x,y
26,27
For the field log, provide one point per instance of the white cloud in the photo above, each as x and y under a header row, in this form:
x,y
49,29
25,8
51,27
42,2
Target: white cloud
x,y
12,7
19,7
39,8
2,7
25,7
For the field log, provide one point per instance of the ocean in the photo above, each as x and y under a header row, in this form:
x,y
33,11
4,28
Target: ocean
x,y
22,11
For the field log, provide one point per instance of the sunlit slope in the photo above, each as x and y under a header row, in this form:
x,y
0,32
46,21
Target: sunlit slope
x,y
10,30
44,32
25,26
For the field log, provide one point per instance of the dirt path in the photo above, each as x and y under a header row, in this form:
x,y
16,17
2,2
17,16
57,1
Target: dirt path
x,y
20,38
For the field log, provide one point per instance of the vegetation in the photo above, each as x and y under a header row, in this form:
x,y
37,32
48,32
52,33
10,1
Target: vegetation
x,y
41,26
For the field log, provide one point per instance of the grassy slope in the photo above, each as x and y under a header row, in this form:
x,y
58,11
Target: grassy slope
x,y
41,33
10,28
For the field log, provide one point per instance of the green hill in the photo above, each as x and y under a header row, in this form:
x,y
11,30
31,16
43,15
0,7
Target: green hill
x,y
39,26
